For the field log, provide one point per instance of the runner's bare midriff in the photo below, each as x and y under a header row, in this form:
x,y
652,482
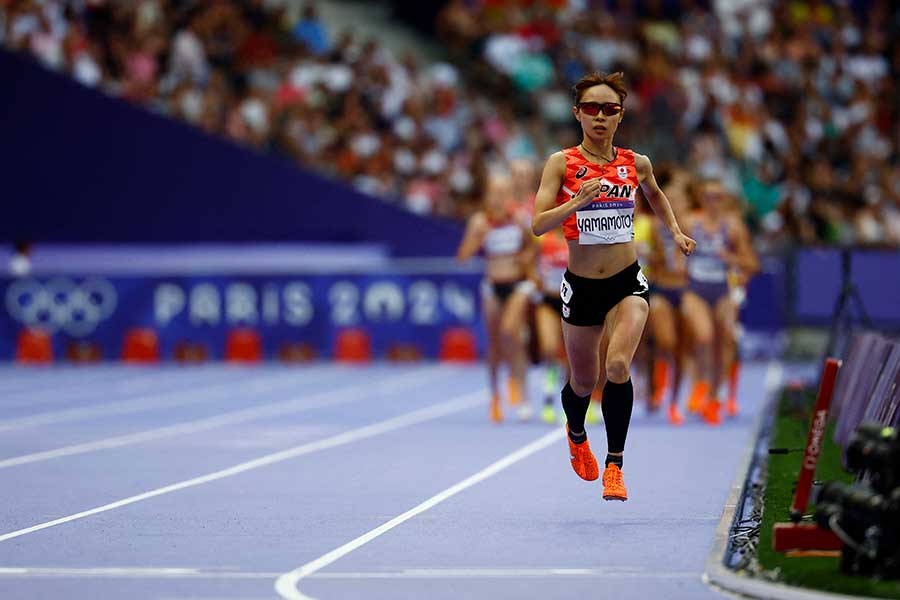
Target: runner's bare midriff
x,y
503,269
600,260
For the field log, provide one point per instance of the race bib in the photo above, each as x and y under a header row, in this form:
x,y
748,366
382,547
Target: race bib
x,y
609,219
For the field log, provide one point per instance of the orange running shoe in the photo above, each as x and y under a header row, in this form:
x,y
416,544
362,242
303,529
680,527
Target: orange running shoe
x,y
699,394
731,407
711,413
583,462
496,412
613,484
515,392
675,417
660,383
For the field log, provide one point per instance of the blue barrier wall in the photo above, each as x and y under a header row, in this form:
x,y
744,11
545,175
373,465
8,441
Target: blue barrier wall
x,y
817,284
79,166
393,307
764,309
396,301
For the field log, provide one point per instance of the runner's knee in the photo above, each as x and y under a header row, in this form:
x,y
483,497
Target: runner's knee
x,y
703,335
617,369
583,383
509,336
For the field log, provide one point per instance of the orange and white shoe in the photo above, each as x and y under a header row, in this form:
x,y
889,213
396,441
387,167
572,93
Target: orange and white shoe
x,y
614,484
675,417
583,462
496,411
697,399
712,412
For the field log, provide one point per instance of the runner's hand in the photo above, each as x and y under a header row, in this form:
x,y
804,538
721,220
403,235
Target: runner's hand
x,y
686,244
589,190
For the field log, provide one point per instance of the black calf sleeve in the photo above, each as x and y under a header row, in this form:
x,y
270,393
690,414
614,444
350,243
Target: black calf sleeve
x,y
618,398
575,408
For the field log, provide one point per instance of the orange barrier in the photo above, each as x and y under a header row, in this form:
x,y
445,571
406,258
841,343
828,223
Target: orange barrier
x,y
34,346
458,345
352,345
141,345
243,345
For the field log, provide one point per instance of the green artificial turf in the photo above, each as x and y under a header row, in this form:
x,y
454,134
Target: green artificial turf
x,y
791,428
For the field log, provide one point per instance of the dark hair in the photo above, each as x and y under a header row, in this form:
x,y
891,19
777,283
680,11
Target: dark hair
x,y
613,80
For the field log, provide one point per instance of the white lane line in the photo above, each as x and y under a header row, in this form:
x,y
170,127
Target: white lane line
x,y
449,573
286,585
332,397
182,396
454,405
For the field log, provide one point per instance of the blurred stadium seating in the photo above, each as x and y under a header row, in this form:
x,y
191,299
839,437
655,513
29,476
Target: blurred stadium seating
x,y
793,104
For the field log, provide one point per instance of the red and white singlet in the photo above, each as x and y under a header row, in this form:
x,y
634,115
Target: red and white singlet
x,y
609,218
504,237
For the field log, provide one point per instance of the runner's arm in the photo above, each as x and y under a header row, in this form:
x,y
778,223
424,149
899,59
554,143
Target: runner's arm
x,y
744,256
473,237
547,215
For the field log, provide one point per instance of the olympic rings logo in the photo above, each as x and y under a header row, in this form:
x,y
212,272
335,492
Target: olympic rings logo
x,y
62,304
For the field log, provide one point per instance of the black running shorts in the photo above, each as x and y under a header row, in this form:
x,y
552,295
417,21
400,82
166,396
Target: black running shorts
x,y
586,301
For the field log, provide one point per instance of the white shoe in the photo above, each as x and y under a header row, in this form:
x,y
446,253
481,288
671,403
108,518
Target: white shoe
x,y
524,411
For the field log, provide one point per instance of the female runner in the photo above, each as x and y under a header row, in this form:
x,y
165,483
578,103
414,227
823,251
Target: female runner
x,y
669,279
552,261
509,249
590,190
709,312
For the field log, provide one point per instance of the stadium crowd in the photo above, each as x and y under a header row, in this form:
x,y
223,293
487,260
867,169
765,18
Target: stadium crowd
x,y
793,105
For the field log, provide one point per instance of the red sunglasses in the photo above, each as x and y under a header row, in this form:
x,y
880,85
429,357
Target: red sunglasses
x,y
610,109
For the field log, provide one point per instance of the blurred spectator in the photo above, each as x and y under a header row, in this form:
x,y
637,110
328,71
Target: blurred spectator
x,y
794,106
311,32
187,62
